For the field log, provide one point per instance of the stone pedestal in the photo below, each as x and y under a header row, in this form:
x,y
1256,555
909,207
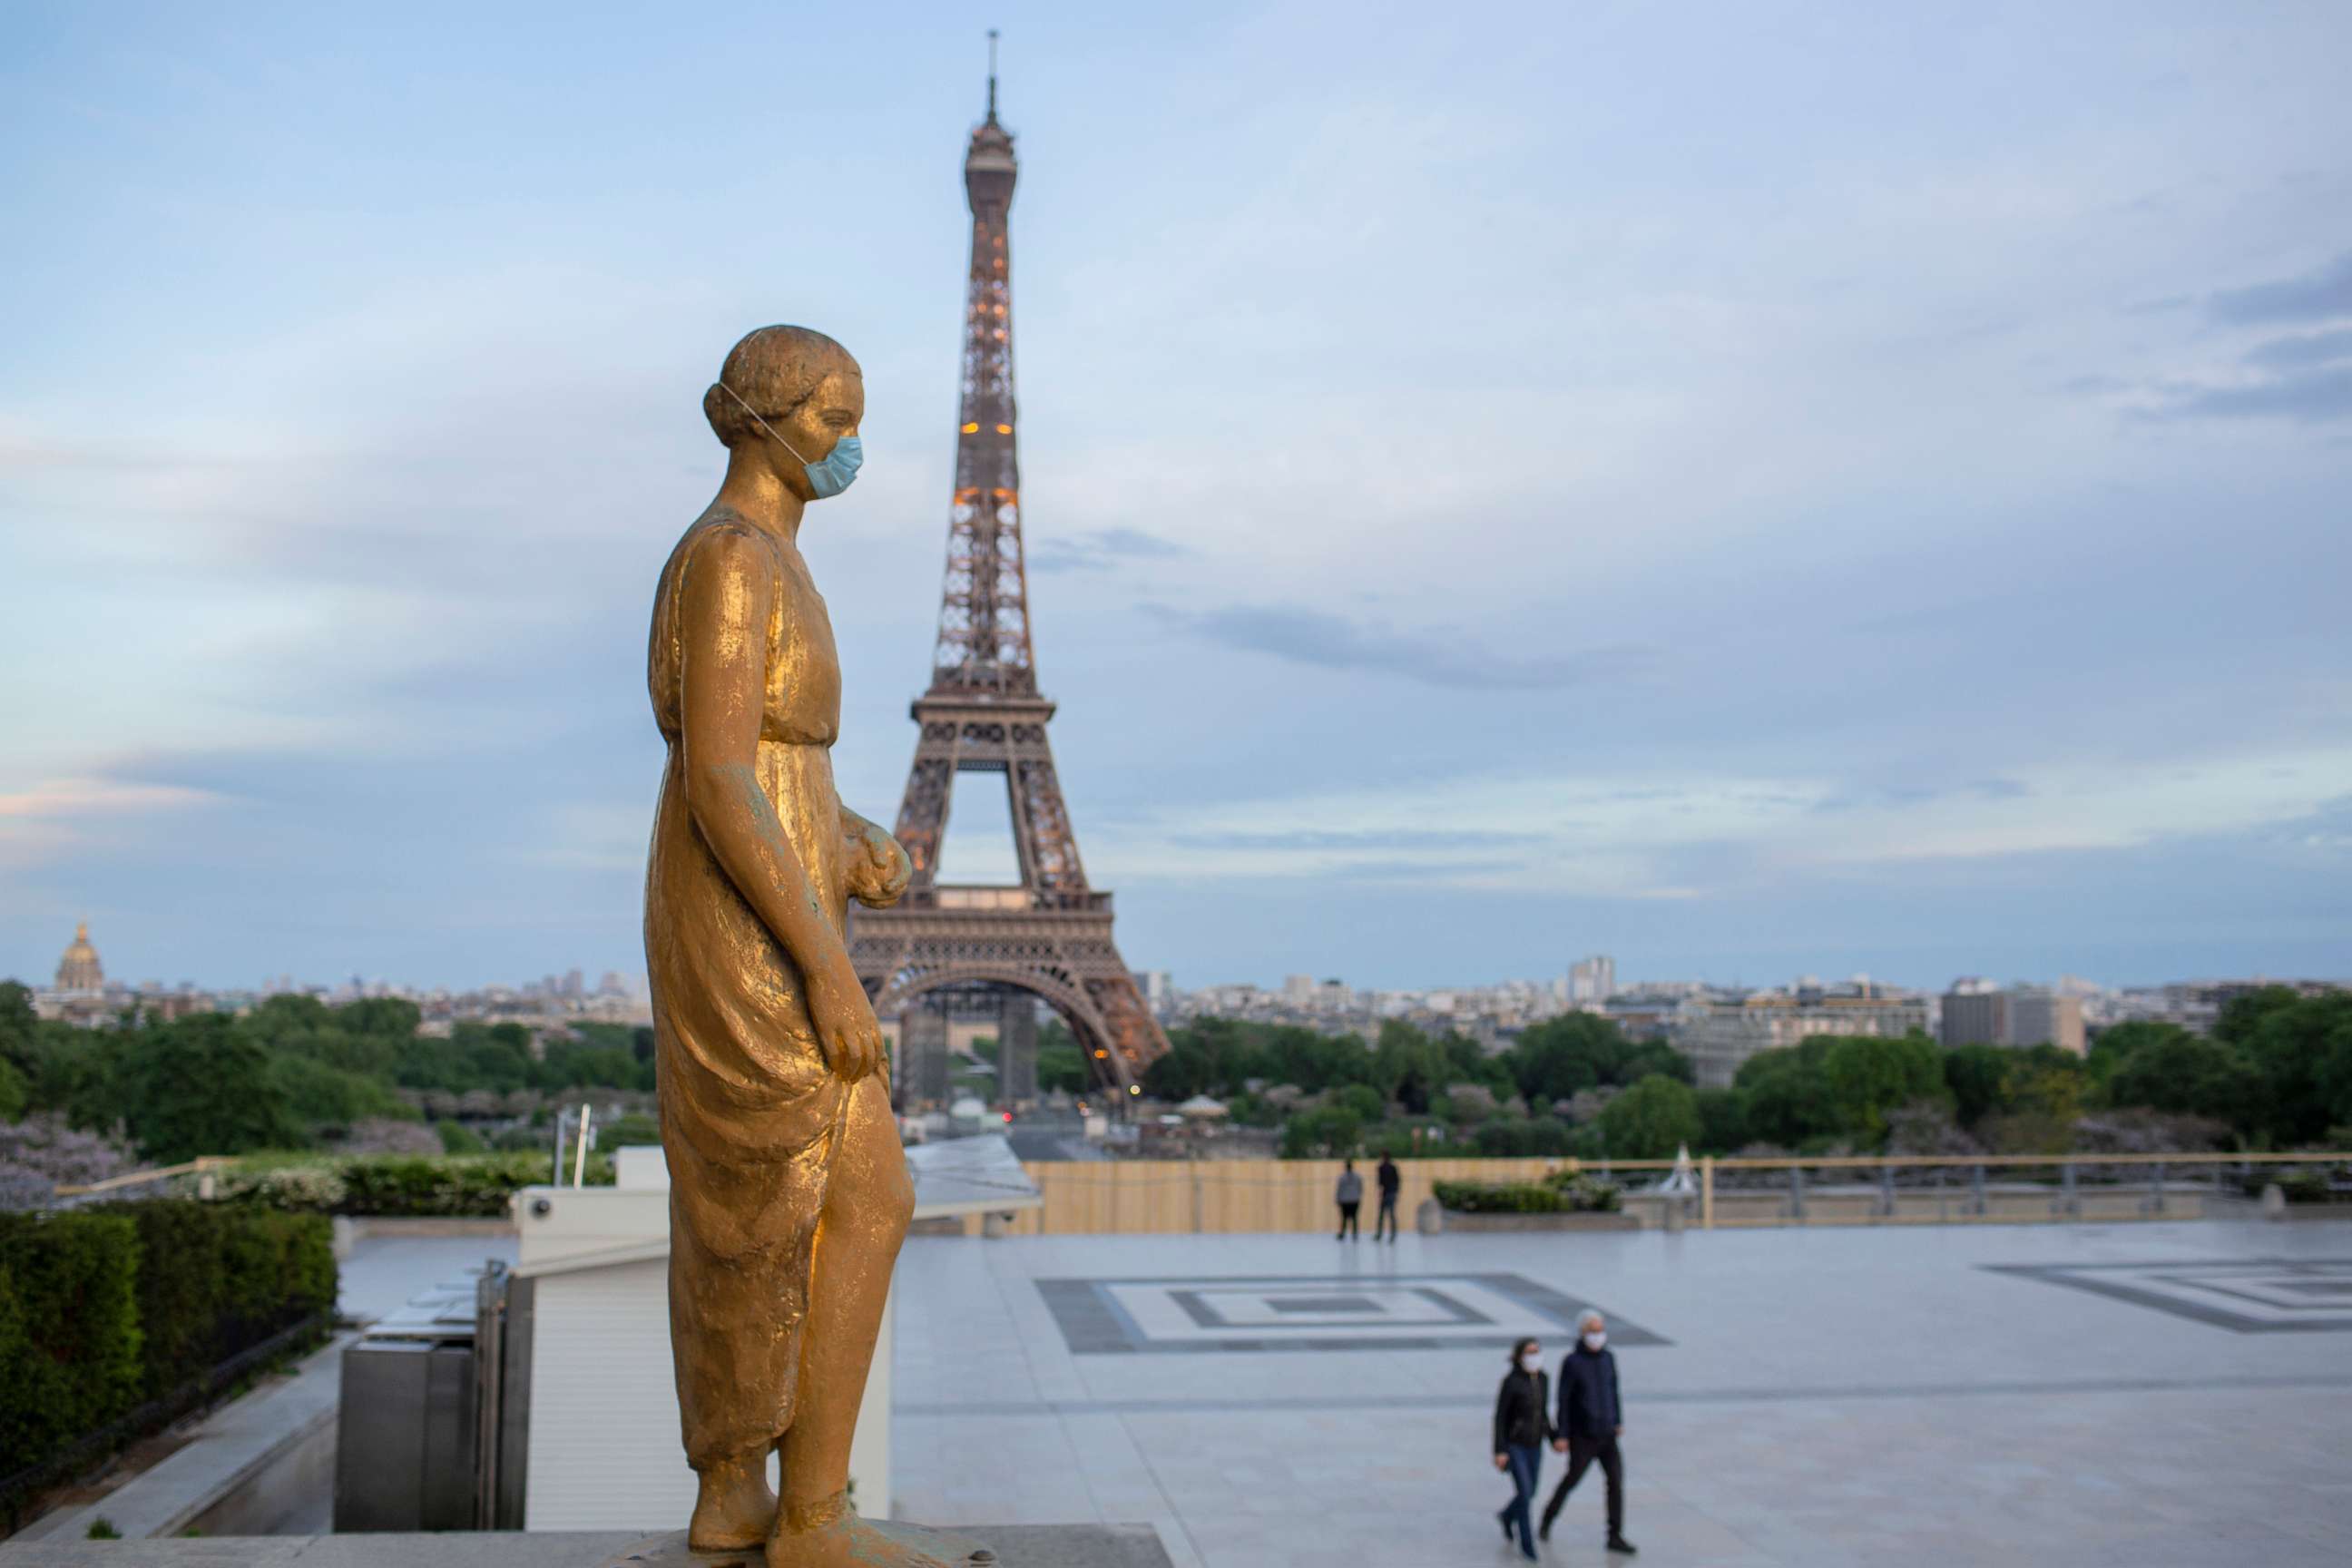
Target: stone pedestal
x,y
671,1550
1015,1546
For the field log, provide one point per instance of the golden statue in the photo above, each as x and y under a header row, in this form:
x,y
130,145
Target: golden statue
x,y
789,1193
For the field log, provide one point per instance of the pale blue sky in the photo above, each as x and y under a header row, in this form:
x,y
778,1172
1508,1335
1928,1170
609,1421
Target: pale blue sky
x,y
1748,489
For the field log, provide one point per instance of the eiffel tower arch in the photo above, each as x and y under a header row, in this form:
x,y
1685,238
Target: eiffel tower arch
x,y
1050,935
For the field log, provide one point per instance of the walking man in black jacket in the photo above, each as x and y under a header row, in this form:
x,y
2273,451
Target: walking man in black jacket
x,y
1390,1179
1591,1418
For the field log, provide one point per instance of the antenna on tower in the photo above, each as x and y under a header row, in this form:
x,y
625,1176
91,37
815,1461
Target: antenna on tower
x,y
991,76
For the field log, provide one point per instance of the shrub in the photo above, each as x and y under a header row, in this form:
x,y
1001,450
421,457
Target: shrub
x,y
214,1280
70,1334
400,1186
1585,1195
457,1138
1562,1192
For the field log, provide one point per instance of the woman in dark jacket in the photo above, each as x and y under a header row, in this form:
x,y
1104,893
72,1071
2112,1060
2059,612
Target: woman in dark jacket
x,y
1522,1427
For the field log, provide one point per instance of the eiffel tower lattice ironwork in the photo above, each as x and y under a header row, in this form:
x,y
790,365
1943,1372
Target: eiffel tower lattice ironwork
x,y
1051,935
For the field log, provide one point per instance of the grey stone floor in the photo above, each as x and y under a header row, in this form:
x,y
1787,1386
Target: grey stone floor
x,y
1947,1395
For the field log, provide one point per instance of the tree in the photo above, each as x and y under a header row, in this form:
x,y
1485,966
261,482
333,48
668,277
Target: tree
x,y
1866,1076
1410,1066
1974,1075
1186,1070
1788,1096
1060,1064
1542,1135
1326,1131
18,1022
2300,1048
1651,1119
199,1086
14,1092
1722,1120
386,1017
1557,1057
317,1095
1560,1056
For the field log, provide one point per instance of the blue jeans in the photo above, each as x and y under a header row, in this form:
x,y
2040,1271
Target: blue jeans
x,y
1527,1465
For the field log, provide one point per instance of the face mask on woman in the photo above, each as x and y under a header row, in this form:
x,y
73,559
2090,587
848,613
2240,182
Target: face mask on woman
x,y
1595,1340
1532,1361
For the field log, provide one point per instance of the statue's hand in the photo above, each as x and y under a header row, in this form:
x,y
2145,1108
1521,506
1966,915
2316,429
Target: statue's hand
x,y
847,1030
878,867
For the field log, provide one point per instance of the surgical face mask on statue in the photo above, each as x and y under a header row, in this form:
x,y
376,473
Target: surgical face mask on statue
x,y
1595,1340
827,479
1531,1362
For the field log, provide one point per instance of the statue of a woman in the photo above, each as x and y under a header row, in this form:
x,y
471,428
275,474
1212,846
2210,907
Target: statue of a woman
x,y
789,1194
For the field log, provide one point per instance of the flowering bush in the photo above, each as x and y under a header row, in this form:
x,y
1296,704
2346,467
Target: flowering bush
x,y
41,1153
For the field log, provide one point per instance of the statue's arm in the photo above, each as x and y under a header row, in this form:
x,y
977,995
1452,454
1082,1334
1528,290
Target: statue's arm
x,y
725,599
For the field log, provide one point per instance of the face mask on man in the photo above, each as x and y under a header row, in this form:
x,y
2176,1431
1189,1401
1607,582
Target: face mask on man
x,y
1594,1339
827,479
1532,1361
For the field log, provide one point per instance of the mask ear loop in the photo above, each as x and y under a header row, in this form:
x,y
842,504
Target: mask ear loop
x,y
762,424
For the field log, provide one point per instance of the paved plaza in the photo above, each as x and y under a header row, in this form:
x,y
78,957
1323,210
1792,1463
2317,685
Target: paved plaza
x,y
2137,1394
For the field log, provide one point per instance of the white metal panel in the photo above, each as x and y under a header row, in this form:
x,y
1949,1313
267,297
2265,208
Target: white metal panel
x,y
604,1446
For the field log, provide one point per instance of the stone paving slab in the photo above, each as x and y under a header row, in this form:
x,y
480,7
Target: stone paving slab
x,y
1814,1398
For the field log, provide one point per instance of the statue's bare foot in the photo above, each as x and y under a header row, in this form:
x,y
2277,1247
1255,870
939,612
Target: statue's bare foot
x,y
735,1508
829,1534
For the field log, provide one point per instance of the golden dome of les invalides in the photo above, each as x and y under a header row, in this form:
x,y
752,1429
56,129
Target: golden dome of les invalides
x,y
79,970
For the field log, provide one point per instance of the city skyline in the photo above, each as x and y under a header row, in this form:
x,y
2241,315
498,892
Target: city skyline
x,y
1568,980
1708,495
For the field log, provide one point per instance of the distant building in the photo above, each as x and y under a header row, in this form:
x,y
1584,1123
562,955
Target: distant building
x,y
1718,1037
2043,1017
79,973
1593,979
1975,1013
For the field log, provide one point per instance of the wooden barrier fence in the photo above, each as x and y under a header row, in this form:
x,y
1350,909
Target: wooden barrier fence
x,y
1166,1198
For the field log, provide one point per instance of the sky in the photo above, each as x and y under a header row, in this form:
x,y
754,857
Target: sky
x,y
1752,489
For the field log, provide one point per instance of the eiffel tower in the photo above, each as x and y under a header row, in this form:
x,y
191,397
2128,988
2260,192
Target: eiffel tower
x,y
971,948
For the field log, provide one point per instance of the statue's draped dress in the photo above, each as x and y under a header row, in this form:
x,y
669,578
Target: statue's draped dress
x,y
750,1113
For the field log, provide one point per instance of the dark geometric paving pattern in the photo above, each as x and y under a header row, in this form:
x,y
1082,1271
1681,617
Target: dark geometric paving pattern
x,y
2254,1296
1295,1312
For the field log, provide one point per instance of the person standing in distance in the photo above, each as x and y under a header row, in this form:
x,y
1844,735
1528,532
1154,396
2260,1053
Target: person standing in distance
x,y
1522,1422
1389,1179
1350,1196
1591,1419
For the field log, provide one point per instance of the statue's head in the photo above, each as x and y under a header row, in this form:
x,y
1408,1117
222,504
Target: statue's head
x,y
787,398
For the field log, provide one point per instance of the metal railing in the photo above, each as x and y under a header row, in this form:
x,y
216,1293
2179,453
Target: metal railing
x,y
197,1167
1875,1184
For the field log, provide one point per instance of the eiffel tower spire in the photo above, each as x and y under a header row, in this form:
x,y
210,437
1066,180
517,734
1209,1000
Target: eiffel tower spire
x,y
983,643
1050,936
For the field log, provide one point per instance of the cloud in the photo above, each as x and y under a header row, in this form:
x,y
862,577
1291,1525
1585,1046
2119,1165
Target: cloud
x,y
1100,551
57,798
2308,397
1335,642
2312,348
2313,296
1645,836
2305,378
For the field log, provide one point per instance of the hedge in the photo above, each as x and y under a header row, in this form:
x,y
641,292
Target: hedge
x,y
412,1186
1565,1194
69,1339
216,1280
110,1311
